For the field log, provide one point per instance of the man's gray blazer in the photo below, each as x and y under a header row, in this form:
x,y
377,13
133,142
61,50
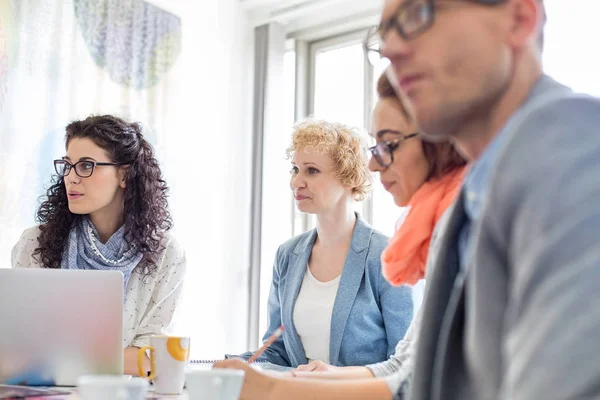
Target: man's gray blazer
x,y
522,321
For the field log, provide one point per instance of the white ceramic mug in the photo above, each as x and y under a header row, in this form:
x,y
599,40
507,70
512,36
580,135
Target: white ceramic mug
x,y
169,356
116,387
214,384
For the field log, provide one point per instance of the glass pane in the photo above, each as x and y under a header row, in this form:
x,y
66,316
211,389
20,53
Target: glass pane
x,y
339,94
572,22
385,211
339,85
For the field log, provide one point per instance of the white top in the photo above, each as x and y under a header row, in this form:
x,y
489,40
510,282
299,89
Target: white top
x,y
312,315
150,302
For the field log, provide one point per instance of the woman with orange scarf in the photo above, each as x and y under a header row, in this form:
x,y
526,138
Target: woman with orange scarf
x,y
421,176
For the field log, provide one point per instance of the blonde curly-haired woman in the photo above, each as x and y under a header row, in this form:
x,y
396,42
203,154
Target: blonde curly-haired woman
x,y
328,289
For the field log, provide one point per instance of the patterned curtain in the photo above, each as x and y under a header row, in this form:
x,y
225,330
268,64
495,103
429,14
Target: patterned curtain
x,y
134,42
3,64
64,60
7,40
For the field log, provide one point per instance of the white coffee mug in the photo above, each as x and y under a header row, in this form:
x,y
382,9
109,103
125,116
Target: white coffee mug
x,y
214,384
169,356
116,387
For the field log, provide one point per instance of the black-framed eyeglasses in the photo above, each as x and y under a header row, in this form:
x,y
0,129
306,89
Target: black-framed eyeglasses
x,y
83,168
383,152
410,20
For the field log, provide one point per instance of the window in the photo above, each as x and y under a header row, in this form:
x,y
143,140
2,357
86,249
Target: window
x,y
345,91
338,94
277,198
385,212
570,23
339,85
343,88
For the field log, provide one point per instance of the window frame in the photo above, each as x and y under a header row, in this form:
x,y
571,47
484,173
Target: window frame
x,y
305,90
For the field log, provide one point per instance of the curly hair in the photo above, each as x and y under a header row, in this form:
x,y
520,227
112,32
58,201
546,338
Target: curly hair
x,y
345,147
441,157
145,213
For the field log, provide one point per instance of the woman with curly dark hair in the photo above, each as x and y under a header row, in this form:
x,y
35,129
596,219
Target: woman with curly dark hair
x,y
107,210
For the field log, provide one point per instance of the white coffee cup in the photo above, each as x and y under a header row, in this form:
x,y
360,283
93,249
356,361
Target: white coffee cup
x,y
116,387
169,356
214,384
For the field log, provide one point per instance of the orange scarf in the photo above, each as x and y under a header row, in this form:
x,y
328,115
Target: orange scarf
x,y
405,257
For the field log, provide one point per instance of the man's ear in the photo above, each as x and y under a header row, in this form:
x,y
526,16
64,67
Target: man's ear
x,y
526,19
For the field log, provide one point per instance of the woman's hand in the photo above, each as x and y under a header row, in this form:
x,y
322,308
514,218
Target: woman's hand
x,y
261,386
315,366
257,385
130,359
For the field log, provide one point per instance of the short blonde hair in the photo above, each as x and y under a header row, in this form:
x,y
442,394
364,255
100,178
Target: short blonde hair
x,y
345,147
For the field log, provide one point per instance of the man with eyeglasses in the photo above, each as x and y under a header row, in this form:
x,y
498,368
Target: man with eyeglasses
x,y
510,310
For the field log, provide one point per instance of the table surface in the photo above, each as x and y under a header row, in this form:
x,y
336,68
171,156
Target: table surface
x,y
151,396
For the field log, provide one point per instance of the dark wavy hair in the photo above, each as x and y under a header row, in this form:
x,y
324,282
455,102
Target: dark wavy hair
x,y
145,215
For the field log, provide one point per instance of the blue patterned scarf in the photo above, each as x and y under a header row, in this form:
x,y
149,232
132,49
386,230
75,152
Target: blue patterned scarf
x,y
84,250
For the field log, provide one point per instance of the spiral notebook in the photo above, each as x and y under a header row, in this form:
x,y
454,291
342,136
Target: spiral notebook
x,y
211,362
22,392
264,365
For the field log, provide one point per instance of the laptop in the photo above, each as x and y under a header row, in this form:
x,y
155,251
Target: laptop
x,y
56,325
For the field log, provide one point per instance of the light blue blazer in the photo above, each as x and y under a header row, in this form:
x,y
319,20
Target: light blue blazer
x,y
369,316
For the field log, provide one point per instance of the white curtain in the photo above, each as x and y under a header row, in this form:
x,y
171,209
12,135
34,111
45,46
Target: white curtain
x,y
63,60
60,72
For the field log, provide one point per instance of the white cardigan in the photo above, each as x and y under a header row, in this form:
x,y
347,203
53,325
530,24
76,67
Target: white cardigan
x,y
150,302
